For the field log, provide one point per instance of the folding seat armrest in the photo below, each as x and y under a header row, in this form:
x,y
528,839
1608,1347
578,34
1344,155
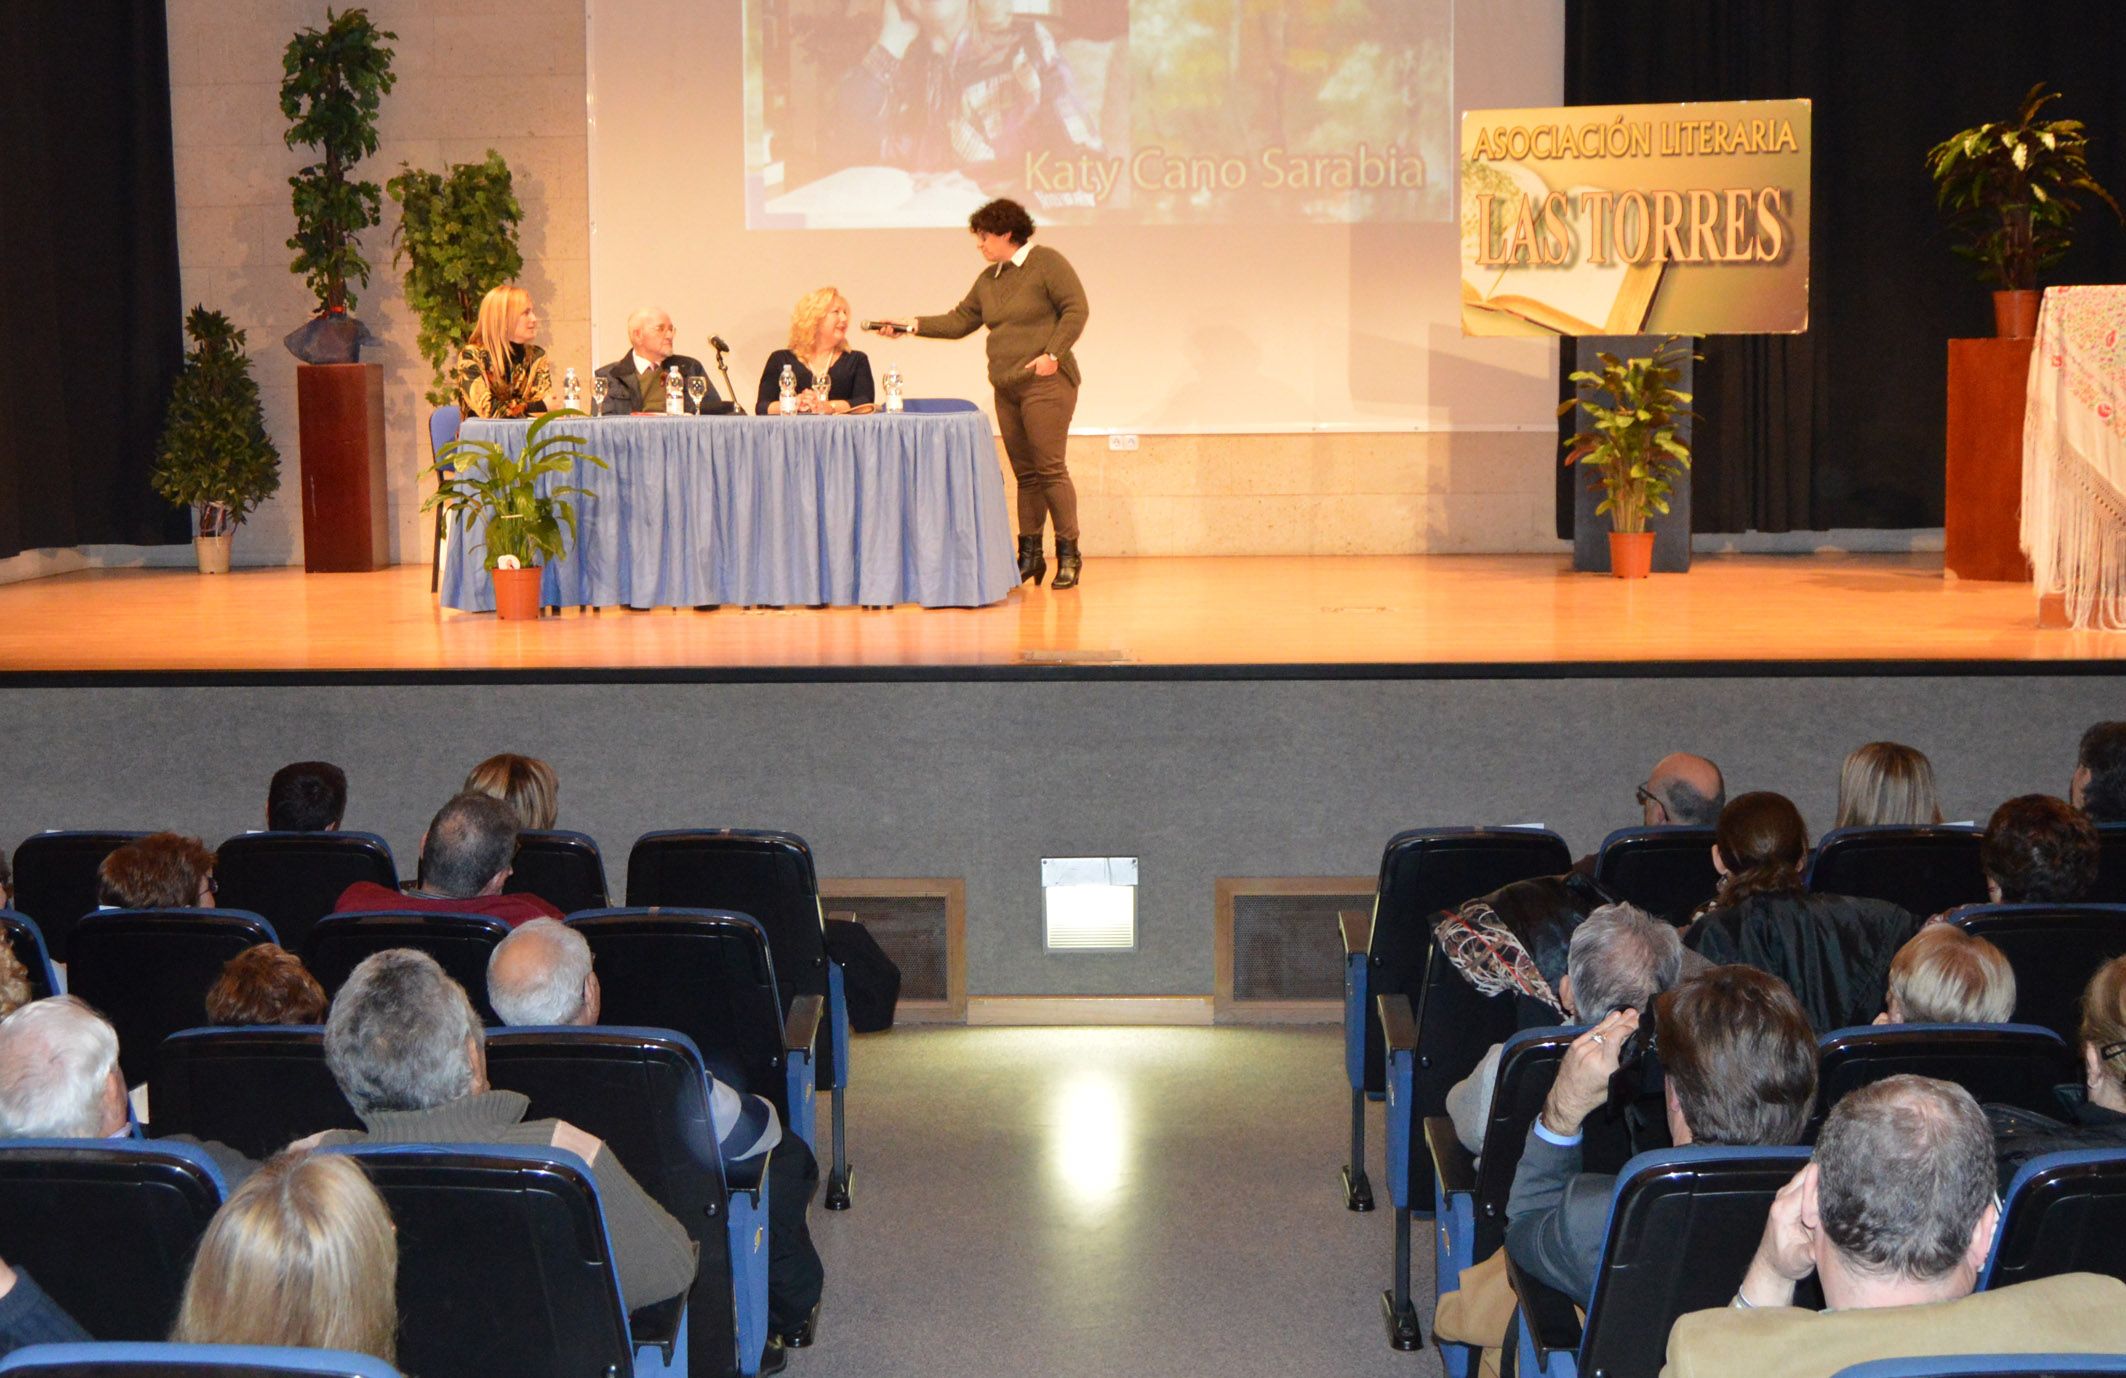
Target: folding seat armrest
x,y
746,1176
1453,1166
843,916
801,1030
1356,925
1398,1026
657,1325
1549,1320
1399,1033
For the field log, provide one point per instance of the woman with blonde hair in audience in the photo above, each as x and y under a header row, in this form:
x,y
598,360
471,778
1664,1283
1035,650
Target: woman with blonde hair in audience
x,y
1947,976
1886,782
160,871
819,344
499,372
527,784
303,1253
2093,1114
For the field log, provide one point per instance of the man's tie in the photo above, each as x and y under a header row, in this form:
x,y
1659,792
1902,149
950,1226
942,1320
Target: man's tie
x,y
652,389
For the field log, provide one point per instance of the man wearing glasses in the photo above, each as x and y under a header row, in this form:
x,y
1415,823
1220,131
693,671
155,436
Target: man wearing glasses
x,y
636,380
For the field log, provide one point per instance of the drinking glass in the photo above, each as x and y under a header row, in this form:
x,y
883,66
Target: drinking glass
x,y
697,388
821,384
600,386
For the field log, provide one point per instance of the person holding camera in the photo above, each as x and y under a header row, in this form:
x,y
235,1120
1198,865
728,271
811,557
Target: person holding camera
x,y
1739,1064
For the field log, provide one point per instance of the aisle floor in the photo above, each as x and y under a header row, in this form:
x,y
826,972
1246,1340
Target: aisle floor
x,y
1105,1202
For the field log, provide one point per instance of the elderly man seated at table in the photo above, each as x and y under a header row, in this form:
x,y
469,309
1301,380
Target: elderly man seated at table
x,y
636,381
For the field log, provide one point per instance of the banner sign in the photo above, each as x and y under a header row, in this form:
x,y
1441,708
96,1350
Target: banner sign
x,y
1685,219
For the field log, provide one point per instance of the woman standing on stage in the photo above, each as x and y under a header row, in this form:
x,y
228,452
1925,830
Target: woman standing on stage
x,y
819,343
500,372
1035,309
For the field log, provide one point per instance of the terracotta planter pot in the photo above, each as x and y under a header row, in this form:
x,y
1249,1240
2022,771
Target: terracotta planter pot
x,y
2015,314
517,593
1631,554
213,552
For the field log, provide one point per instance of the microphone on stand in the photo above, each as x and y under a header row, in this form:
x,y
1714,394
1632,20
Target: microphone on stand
x,y
716,343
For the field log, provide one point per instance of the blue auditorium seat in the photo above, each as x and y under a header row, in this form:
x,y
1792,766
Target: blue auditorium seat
x,y
1923,870
153,1360
563,868
55,878
295,879
2054,950
26,940
2064,1213
1666,870
255,1089
2007,1064
460,943
149,971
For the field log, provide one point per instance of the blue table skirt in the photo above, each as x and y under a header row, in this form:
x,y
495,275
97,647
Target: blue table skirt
x,y
783,511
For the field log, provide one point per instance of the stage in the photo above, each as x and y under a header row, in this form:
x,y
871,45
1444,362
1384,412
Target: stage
x,y
1457,616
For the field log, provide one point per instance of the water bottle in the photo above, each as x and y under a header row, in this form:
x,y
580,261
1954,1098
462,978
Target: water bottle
x,y
571,392
675,392
893,387
788,386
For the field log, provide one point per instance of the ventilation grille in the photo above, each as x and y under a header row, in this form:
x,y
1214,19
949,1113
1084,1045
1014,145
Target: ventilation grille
x,y
913,930
1286,947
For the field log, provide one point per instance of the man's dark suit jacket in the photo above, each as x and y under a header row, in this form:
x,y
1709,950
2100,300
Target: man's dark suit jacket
x,y
1557,1216
624,387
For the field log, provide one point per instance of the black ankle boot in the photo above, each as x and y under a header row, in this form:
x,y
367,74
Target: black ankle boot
x,y
1067,564
1032,564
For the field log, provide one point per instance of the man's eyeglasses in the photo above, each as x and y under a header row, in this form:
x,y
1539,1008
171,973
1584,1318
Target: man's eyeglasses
x,y
1651,800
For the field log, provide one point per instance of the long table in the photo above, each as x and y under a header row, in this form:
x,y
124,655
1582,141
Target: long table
x,y
779,511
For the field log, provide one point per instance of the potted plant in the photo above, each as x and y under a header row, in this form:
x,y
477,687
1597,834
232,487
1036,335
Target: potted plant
x,y
457,236
333,80
480,479
2010,188
1633,446
214,454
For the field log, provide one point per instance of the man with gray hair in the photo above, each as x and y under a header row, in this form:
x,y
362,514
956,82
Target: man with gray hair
x,y
410,1056
1620,957
466,858
59,1075
1895,1216
636,381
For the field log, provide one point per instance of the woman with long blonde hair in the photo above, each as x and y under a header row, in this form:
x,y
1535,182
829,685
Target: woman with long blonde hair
x,y
819,344
303,1253
499,372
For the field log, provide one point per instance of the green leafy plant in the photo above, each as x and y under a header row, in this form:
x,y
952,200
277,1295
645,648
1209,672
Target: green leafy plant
x,y
457,236
214,453
478,478
1633,444
2010,188
334,80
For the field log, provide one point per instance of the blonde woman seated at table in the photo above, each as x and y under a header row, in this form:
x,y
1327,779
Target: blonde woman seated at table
x,y
819,343
500,373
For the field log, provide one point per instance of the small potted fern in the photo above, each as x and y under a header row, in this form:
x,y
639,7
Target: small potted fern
x,y
1633,445
481,482
215,455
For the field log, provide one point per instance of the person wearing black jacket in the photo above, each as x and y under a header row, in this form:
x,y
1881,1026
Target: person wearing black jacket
x,y
636,380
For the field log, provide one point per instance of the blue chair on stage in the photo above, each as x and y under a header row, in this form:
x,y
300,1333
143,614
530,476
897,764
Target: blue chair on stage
x,y
162,1360
444,423
2054,950
937,405
2064,1213
55,878
1923,870
26,941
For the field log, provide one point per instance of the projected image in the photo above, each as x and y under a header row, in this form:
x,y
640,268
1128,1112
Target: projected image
x,y
865,113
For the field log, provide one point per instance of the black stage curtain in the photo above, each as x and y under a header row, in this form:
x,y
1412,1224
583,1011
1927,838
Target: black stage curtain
x,y
1842,426
91,327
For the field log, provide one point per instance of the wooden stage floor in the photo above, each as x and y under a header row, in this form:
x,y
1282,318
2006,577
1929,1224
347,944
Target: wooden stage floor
x,y
1521,613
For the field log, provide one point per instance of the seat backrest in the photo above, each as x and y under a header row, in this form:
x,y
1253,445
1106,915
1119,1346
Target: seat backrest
x,y
1921,869
256,1090
504,1263
443,425
2110,887
2064,1213
1683,1225
1667,871
2054,949
55,879
1423,871
107,1227
26,941
2005,1064
460,943
702,973
1987,1366
938,404
295,879
646,1093
149,970
146,1359
767,876
563,868
1527,1068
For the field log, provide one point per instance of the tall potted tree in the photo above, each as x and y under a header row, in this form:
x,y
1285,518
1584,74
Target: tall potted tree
x,y
215,455
1633,445
484,483
457,237
2010,187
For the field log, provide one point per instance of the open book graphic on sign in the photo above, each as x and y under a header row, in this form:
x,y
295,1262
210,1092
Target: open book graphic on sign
x,y
1578,297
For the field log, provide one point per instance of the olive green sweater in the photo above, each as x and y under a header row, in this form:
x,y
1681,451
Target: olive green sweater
x,y
1030,311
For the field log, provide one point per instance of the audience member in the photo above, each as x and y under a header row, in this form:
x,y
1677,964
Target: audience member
x,y
2093,1115
409,1055
1833,950
7,882
1946,976
1685,790
2038,850
465,860
159,871
266,984
1894,1217
1515,941
28,1316
1619,958
14,982
1739,1062
2099,784
525,783
305,1254
1886,783
307,797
